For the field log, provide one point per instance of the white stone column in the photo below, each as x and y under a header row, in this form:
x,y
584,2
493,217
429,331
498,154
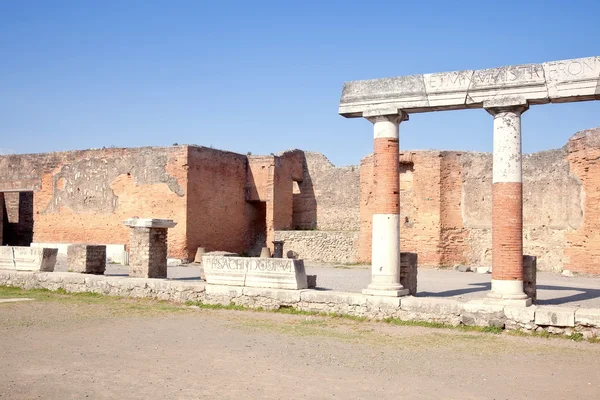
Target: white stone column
x,y
507,206
385,270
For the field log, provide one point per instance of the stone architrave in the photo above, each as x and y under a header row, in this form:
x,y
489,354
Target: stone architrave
x,y
550,82
275,273
148,247
23,258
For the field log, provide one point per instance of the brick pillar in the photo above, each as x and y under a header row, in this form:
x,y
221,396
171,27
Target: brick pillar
x,y
507,206
148,247
385,260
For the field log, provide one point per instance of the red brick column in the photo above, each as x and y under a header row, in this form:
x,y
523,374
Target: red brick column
x,y
385,272
507,205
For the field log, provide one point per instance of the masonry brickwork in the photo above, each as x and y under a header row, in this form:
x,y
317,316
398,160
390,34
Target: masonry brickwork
x,y
231,202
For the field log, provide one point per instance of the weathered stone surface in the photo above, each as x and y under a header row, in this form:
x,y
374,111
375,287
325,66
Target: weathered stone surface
x,y
317,296
530,277
587,317
409,271
555,316
481,314
87,259
311,281
559,81
320,246
277,273
27,258
431,305
522,315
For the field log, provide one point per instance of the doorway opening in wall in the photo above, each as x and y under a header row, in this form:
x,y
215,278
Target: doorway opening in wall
x,y
258,228
407,207
17,218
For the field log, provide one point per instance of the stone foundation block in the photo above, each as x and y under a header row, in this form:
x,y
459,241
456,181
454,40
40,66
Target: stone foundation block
x,y
317,296
588,317
27,258
430,305
530,277
87,259
276,273
478,313
555,316
311,281
409,271
522,315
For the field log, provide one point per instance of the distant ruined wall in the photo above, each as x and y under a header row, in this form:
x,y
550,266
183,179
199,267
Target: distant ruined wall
x,y
326,209
320,246
328,197
83,196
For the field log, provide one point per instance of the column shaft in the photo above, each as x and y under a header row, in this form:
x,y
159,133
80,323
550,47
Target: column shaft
x,y
385,273
507,206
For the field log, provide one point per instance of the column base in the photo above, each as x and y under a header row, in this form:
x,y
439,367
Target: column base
x,y
385,293
508,292
508,302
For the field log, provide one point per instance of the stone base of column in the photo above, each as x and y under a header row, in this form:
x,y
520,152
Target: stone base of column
x,y
385,293
508,292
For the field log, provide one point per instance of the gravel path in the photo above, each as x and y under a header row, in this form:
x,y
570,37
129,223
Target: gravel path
x,y
77,350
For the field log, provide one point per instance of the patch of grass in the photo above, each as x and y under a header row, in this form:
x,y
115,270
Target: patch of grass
x,y
438,325
576,336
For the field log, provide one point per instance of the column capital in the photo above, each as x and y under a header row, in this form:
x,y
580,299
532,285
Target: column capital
x,y
386,116
504,105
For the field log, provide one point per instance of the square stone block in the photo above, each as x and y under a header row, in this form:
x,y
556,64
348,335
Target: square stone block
x,y
588,317
87,259
24,258
555,316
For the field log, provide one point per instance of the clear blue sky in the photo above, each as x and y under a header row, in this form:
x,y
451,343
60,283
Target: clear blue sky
x,y
265,76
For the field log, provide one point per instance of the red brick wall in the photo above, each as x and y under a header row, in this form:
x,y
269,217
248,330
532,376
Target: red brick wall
x,y
219,218
582,248
454,237
83,196
420,224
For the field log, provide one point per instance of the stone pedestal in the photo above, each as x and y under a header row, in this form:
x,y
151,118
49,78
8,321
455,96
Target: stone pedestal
x,y
530,277
278,248
408,272
148,247
87,259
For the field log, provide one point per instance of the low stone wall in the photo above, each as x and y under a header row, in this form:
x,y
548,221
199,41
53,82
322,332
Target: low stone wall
x,y
320,246
564,320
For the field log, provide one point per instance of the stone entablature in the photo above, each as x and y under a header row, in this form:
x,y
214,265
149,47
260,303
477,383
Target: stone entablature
x,y
550,82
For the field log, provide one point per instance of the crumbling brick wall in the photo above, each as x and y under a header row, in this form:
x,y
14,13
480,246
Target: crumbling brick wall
x,y
582,250
218,216
83,196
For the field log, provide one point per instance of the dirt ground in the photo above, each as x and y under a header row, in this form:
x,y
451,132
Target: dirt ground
x,y
75,347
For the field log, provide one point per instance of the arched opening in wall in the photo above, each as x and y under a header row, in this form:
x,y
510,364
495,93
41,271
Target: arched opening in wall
x,y
17,218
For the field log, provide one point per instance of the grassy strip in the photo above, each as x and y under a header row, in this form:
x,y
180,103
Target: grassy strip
x,y
61,294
